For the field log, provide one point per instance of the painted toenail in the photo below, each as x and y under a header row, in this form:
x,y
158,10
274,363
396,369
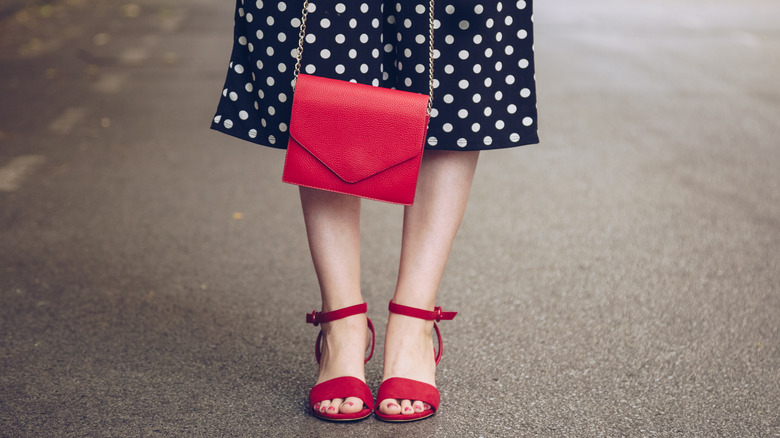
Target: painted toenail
x,y
349,404
392,405
332,409
407,409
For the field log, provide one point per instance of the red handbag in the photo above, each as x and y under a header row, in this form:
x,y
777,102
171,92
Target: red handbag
x,y
356,139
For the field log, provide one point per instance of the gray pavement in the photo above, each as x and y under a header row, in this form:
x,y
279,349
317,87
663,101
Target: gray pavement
x,y
620,279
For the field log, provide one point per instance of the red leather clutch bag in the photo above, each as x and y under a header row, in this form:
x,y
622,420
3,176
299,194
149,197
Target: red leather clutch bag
x,y
356,139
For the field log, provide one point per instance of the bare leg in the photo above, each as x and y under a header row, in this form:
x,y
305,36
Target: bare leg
x,y
430,226
333,228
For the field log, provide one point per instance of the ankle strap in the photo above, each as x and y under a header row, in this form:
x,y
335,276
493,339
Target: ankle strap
x,y
318,318
436,315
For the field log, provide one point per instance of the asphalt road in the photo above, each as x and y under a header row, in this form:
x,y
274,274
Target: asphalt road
x,y
619,279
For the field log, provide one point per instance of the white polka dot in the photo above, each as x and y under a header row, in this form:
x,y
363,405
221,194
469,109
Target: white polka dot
x,y
475,127
340,8
510,79
282,97
225,92
463,113
252,133
419,68
477,39
325,53
295,22
325,23
272,139
364,68
462,142
251,47
511,109
463,84
240,12
420,39
449,69
270,81
269,51
522,34
447,127
242,40
233,96
259,34
499,36
488,111
239,68
514,137
227,123
340,69
477,68
488,140
310,69
271,110
420,9
310,38
463,25
477,98
259,4
509,50
489,23
521,4
364,8
259,65
340,38
449,39
449,9
448,98
243,115
527,121
488,82
408,82
525,92
434,112
217,119
283,127
523,63
488,52
282,37
249,87
352,23
463,54
499,95
282,67
433,141
478,9
499,124
353,53
508,20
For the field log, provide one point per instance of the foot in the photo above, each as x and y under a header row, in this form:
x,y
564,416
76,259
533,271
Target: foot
x,y
343,354
409,354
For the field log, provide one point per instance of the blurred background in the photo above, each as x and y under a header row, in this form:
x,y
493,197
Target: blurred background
x,y
619,279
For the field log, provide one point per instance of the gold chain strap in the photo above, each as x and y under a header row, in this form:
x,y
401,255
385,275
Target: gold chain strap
x,y
302,36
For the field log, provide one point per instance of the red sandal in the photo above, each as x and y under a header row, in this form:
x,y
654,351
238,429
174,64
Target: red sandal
x,y
340,387
407,389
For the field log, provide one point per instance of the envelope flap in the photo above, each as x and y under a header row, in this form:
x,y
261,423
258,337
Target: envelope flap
x,y
357,130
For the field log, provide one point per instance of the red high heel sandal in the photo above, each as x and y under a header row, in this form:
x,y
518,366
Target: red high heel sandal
x,y
407,389
340,387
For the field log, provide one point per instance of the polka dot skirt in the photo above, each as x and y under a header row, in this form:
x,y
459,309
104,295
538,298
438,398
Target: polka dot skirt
x,y
484,95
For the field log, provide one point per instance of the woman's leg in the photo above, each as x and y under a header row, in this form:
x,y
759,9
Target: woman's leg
x,y
430,226
333,228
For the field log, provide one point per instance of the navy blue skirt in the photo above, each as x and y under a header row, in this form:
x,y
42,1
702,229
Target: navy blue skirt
x,y
484,88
